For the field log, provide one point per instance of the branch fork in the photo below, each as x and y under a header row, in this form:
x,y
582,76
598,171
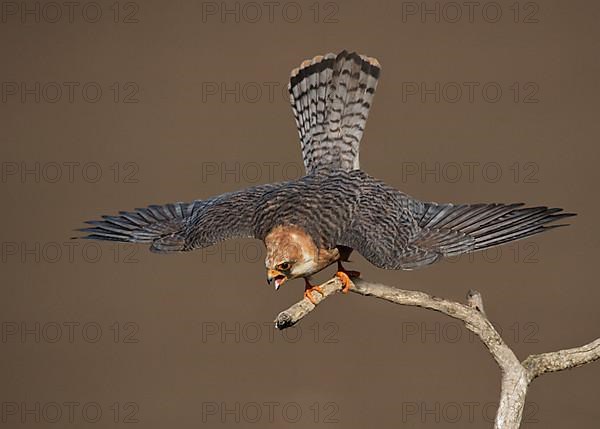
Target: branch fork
x,y
516,375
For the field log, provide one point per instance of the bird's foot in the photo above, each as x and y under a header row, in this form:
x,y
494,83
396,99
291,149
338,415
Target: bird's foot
x,y
344,275
309,289
345,279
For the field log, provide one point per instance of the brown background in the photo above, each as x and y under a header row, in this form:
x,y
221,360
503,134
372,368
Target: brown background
x,y
543,292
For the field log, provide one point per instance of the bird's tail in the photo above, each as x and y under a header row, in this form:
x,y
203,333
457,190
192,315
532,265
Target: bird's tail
x,y
159,225
456,229
331,96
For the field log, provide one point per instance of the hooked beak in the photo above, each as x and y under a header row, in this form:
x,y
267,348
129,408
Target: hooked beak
x,y
274,276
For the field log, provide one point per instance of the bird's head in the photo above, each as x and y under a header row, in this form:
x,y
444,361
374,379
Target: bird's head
x,y
291,254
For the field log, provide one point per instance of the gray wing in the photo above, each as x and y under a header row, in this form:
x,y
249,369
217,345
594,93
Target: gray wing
x,y
321,204
142,225
395,231
331,97
455,229
227,216
186,226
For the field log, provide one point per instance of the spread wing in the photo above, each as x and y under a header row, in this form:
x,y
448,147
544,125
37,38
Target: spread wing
x,y
227,216
186,226
394,231
455,229
331,97
321,204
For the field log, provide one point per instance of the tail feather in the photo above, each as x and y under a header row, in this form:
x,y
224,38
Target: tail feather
x,y
454,229
159,225
331,97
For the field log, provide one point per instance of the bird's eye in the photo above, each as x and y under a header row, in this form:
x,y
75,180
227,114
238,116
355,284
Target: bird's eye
x,y
284,266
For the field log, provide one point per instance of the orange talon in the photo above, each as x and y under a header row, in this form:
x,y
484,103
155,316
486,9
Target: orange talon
x,y
308,289
345,281
344,275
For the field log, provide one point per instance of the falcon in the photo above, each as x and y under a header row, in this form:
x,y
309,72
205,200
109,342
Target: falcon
x,y
320,219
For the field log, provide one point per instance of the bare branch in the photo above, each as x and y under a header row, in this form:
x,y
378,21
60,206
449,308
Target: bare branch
x,y
544,363
516,376
296,312
473,319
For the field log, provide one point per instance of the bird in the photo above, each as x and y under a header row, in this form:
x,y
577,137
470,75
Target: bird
x,y
336,208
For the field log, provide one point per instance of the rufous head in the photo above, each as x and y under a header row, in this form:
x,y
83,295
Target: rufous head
x,y
291,253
